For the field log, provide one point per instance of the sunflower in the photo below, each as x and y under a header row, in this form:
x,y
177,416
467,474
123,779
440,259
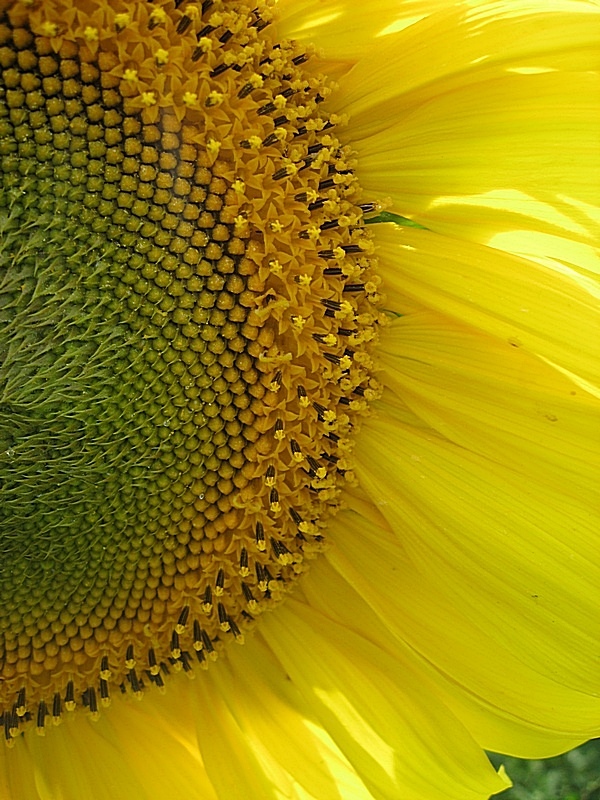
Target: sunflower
x,y
299,333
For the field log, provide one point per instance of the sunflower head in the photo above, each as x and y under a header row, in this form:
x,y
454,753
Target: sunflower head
x,y
188,309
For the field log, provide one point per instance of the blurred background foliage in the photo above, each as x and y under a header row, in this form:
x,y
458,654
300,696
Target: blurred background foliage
x,y
572,776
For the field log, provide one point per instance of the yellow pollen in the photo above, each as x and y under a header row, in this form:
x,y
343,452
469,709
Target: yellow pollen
x,y
148,98
161,56
122,20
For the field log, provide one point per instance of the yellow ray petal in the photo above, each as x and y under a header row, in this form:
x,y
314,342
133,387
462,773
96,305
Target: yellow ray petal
x,y
381,716
496,400
344,29
232,766
528,305
506,704
487,103
509,554
270,715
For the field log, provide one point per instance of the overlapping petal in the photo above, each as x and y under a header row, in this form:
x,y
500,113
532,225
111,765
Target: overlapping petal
x,y
481,122
384,716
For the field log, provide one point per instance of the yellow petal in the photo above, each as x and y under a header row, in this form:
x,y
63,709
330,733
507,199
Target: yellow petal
x,y
272,722
506,552
380,713
494,134
496,400
344,29
550,314
507,705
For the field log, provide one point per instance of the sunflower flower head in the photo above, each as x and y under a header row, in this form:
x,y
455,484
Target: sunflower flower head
x,y
298,303
191,307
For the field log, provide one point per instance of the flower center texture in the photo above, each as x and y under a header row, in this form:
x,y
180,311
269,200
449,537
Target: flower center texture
x,y
188,309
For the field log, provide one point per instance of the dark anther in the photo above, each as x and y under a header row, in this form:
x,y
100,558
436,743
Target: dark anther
x,y
234,628
134,681
301,392
281,173
208,645
300,59
85,698
332,271
185,660
92,700
332,223
320,411
245,144
175,649
316,205
184,24
334,305
158,680
225,37
104,666
345,331
352,248
247,591
197,633
330,458
197,54
345,401
327,254
206,5
220,580
244,559
334,360
41,714
278,426
354,287
368,208
104,690
21,701
129,656
301,131
269,140
206,31
183,617
56,705
279,121
268,108
295,516
333,436
313,463
207,599
270,475
273,497
326,184
219,70
245,91
70,693
301,198
200,656
223,615
260,533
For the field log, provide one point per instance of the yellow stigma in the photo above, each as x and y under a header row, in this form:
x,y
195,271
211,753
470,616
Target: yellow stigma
x,y
188,303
